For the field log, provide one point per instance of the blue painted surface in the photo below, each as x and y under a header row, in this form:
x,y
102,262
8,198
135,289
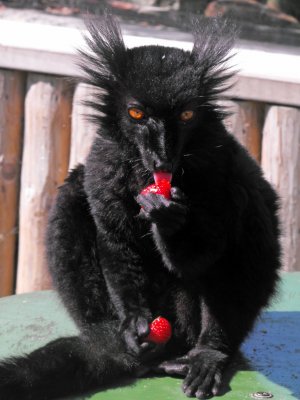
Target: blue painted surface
x,y
273,349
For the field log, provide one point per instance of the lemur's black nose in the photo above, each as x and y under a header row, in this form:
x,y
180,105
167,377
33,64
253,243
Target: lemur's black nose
x,y
163,166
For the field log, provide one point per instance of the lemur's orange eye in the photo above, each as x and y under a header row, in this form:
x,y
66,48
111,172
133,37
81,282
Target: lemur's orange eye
x,y
186,115
136,113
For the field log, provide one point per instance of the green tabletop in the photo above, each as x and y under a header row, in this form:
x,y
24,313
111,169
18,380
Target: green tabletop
x,y
269,361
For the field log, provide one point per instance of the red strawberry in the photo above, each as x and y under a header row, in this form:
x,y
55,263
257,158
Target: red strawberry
x,y
163,188
160,331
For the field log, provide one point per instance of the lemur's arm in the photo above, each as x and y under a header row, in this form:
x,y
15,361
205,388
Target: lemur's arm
x,y
125,279
188,242
223,328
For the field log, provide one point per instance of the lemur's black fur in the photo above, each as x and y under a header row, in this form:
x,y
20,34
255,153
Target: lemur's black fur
x,y
207,260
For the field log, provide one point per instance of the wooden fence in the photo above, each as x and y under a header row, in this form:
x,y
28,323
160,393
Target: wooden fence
x,y
43,133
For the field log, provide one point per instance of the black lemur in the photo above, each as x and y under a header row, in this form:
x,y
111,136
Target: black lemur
x,y
207,259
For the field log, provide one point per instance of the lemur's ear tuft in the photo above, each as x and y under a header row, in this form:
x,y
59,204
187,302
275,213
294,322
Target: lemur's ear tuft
x,y
213,41
103,63
105,57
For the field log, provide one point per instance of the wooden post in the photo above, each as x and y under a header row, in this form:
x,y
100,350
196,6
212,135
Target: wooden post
x,y
246,124
281,165
83,131
45,164
11,126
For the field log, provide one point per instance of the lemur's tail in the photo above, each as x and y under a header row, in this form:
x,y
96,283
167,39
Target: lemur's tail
x,y
66,366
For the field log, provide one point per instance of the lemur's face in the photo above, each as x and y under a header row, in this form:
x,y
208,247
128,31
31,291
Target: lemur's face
x,y
162,105
155,97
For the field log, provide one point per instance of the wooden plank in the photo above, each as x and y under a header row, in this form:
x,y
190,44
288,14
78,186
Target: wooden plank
x,y
11,127
246,124
263,89
281,165
83,131
231,107
45,164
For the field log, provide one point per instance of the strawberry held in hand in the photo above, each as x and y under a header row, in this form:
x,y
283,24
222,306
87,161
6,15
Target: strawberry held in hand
x,y
163,188
162,185
160,331
163,206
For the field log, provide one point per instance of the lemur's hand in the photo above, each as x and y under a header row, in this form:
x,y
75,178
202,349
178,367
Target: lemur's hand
x,y
203,371
168,215
135,329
